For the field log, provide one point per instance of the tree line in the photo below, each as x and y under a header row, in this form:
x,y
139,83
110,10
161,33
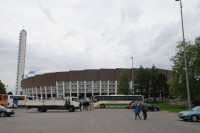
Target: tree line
x,y
148,83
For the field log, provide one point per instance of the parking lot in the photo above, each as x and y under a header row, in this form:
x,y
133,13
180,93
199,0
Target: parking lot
x,y
95,121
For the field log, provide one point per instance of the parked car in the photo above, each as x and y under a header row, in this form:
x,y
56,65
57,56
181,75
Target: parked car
x,y
192,115
150,106
5,111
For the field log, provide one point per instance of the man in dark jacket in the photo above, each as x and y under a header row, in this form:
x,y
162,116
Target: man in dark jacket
x,y
80,105
144,110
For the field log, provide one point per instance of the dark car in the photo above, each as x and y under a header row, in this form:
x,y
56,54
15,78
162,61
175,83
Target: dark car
x,y
5,111
153,108
150,106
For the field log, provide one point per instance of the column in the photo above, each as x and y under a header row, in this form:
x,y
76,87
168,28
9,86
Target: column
x,y
85,89
45,90
92,88
108,87
116,87
51,92
24,90
100,87
36,93
29,93
41,96
57,90
63,89
70,89
77,87
32,93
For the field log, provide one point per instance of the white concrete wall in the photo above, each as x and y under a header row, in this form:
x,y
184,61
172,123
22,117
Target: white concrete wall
x,y
21,61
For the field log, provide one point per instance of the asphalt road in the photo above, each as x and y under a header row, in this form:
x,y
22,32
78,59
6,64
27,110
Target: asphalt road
x,y
95,121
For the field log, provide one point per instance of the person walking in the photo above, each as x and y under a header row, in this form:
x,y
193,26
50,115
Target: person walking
x,y
84,105
90,105
137,111
80,105
144,110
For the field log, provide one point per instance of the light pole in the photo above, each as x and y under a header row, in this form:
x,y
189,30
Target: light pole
x,y
186,68
132,76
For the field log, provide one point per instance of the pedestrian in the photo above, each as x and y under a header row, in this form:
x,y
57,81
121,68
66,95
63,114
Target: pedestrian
x,y
90,105
84,105
144,110
80,105
137,111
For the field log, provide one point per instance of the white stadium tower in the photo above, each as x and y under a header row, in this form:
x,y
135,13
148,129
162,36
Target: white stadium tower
x,y
21,61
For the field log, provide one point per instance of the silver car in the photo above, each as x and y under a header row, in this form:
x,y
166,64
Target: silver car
x,y
193,114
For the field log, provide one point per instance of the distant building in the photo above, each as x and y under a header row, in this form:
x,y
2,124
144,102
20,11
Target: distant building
x,y
21,61
82,83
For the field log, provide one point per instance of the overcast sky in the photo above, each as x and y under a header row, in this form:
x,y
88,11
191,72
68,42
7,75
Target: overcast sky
x,y
65,35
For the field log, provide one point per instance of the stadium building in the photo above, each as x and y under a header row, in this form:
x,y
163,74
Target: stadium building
x,y
81,83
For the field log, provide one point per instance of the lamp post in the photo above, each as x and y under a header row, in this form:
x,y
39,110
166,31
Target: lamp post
x,y
132,76
185,60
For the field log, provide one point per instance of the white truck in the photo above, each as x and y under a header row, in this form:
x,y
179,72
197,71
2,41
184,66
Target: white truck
x,y
69,103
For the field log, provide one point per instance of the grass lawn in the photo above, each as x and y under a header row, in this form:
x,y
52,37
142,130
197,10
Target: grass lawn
x,y
165,106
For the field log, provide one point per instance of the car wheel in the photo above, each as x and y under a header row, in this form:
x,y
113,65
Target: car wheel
x,y
2,114
44,110
40,109
71,109
194,118
102,106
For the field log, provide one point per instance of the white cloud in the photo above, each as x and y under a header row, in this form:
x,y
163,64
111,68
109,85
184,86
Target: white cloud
x,y
75,34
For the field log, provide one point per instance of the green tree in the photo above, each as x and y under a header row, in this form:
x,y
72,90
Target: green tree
x,y
163,86
123,86
154,90
178,86
2,88
150,83
142,82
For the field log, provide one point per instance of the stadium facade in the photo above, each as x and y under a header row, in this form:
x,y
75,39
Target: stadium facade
x,y
81,83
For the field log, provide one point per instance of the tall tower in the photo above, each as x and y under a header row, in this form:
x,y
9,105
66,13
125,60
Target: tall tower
x,y
21,61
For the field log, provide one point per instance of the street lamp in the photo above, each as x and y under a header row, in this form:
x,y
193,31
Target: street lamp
x,y
132,85
186,68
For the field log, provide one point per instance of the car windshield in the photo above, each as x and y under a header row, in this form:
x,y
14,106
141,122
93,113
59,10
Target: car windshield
x,y
196,108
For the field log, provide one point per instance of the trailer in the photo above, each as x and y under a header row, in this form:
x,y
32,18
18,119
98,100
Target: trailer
x,y
70,103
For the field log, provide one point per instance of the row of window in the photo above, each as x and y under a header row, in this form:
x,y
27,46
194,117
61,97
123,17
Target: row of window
x,y
129,98
73,90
